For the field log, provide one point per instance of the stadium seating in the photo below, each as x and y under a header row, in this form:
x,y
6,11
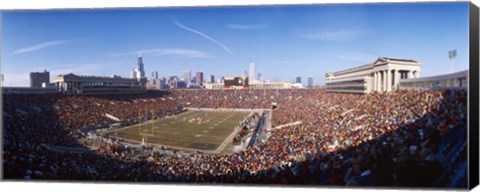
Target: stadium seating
x,y
320,138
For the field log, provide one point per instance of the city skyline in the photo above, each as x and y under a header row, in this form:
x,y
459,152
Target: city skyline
x,y
283,41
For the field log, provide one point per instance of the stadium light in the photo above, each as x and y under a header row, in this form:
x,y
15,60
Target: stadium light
x,y
452,55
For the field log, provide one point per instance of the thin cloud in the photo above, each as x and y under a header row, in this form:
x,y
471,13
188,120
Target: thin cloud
x,y
246,27
203,35
39,46
332,35
169,51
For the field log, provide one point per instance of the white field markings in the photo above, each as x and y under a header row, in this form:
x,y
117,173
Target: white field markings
x,y
158,124
216,137
196,128
146,122
193,131
227,140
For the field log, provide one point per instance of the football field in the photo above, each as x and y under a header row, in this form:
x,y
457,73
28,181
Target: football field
x,y
191,130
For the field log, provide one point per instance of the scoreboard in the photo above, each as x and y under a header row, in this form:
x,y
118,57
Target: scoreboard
x,y
232,82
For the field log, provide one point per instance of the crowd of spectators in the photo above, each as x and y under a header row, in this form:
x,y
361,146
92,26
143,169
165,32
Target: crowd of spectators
x,y
246,127
379,139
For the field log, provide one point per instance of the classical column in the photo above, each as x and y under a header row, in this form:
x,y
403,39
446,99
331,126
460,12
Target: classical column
x,y
389,80
377,86
384,82
374,80
409,75
380,81
394,76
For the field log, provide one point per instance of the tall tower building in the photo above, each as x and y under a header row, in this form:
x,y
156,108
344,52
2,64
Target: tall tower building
x,y
141,69
310,82
259,76
199,78
155,75
252,72
187,76
38,78
135,74
212,79
298,80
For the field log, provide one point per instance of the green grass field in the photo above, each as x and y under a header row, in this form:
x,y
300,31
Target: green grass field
x,y
191,130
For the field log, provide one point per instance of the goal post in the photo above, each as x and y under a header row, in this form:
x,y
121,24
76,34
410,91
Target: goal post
x,y
145,128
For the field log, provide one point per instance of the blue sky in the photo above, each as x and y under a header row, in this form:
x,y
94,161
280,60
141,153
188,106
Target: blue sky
x,y
283,41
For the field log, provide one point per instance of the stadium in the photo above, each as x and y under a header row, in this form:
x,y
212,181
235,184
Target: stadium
x,y
361,95
406,137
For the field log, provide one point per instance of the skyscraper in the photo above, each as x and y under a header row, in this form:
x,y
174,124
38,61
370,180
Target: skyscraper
x,y
133,73
298,80
140,68
172,81
212,79
310,82
199,78
155,75
259,76
252,72
187,76
163,83
38,78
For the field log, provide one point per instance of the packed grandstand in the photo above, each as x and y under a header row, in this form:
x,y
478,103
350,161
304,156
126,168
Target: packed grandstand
x,y
402,138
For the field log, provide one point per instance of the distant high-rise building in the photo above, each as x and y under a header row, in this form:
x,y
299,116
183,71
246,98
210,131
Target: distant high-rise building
x,y
212,79
199,78
259,76
155,75
163,83
245,73
173,81
141,70
252,72
133,73
181,84
310,82
187,76
39,78
298,80
222,79
154,84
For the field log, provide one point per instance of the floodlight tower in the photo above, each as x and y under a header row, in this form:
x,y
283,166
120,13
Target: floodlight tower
x,y
452,55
